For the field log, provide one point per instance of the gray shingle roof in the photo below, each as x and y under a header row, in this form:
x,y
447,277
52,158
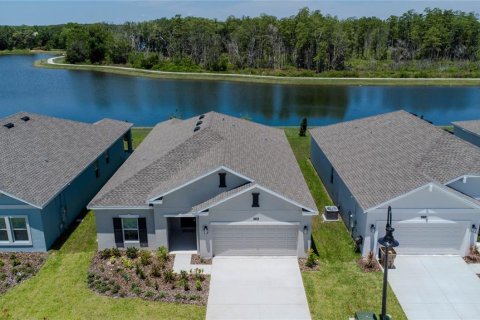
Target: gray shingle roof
x,y
473,126
173,154
38,158
385,156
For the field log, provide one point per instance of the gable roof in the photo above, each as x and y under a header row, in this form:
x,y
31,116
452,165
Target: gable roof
x,y
472,126
382,157
41,156
173,154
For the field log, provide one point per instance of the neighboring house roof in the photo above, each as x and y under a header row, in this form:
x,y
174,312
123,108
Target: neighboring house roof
x,y
41,156
382,157
173,154
472,126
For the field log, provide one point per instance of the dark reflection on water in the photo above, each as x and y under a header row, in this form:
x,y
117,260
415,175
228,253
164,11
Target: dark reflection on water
x,y
90,96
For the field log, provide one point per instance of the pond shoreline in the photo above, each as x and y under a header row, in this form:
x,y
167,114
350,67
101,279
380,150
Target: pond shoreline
x,y
50,63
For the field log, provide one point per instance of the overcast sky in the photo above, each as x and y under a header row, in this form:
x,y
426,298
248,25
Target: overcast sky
x,y
56,12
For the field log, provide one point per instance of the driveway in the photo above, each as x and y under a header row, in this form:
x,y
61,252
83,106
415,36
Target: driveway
x,y
256,288
436,287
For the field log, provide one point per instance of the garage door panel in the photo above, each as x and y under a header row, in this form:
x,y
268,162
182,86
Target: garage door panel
x,y
428,237
255,239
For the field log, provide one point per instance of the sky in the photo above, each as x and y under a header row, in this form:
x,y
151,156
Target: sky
x,y
83,11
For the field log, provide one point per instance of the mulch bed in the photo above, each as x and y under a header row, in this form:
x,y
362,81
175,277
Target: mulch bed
x,y
303,266
148,277
473,256
369,265
196,259
18,266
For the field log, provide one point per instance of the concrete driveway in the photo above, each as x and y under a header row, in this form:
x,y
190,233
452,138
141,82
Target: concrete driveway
x,y
256,288
436,287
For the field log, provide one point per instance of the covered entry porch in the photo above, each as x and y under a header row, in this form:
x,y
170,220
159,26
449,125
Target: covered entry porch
x,y
182,233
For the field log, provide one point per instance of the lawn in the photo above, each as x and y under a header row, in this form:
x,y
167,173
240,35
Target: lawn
x,y
340,288
59,290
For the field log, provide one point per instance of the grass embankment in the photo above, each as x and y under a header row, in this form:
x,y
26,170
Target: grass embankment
x,y
340,288
27,51
59,290
267,77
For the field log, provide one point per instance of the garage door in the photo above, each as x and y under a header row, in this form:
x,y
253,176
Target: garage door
x,y
254,239
428,237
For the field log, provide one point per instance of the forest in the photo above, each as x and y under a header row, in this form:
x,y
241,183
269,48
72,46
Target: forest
x,y
430,43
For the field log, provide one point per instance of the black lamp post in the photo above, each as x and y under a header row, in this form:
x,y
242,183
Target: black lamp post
x,y
388,241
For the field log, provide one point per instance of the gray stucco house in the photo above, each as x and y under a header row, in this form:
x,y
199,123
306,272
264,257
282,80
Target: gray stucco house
x,y
49,170
213,184
468,131
429,177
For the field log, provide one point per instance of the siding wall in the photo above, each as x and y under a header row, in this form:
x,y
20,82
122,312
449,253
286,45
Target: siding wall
x,y
466,135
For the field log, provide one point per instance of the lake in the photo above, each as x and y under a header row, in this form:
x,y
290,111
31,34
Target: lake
x,y
90,96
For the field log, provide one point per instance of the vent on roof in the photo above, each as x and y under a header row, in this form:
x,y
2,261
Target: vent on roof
x,y
9,125
199,123
26,118
201,117
196,129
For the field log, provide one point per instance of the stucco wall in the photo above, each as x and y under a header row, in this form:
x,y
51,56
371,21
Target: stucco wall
x,y
466,135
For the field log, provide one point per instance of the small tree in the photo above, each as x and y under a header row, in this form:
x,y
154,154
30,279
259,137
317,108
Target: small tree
x,y
303,128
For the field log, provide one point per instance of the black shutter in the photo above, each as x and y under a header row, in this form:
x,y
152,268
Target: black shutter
x,y
118,232
255,200
223,182
142,230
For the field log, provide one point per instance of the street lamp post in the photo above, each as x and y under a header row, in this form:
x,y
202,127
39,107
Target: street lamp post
x,y
388,241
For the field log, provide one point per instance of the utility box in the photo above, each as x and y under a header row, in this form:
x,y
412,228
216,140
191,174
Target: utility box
x,y
331,213
365,315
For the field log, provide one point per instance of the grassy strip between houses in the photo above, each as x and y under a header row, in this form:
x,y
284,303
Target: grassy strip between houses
x,y
59,290
340,288
122,70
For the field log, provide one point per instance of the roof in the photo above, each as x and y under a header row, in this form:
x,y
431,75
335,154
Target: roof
x,y
41,156
383,157
173,154
472,126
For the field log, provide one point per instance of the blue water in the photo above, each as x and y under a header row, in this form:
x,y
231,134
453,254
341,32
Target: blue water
x,y
90,96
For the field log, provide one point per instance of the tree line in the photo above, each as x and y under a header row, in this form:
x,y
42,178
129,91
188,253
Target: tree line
x,y
308,40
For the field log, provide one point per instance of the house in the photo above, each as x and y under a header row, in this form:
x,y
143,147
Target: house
x,y
429,177
49,170
468,131
213,184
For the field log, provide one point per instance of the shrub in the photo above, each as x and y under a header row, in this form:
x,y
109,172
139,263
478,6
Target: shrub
x,y
127,263
184,284
311,259
2,263
198,285
303,128
115,289
370,261
156,271
149,294
169,276
132,252
112,260
183,274
15,262
145,257
105,254
198,274
115,252
139,271
136,289
3,276
162,295
162,254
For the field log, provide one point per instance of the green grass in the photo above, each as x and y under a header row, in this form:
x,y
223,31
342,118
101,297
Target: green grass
x,y
267,78
340,288
28,51
59,290
138,134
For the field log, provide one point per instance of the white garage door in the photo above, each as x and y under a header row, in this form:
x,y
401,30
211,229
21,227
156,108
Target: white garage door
x,y
255,239
427,237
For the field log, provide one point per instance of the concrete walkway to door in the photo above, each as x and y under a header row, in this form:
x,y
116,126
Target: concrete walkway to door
x,y
436,287
256,288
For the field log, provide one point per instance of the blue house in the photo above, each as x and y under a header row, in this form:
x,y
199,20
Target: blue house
x,y
49,170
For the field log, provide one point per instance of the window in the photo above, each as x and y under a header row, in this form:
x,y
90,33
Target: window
x,y
255,200
130,229
3,231
223,182
331,175
19,229
97,169
107,156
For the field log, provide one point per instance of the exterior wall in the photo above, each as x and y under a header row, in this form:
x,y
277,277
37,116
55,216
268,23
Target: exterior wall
x,y
471,187
104,223
351,212
12,207
239,209
434,205
466,135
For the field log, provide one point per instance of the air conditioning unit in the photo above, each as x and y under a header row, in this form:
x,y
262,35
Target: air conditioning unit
x,y
331,213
